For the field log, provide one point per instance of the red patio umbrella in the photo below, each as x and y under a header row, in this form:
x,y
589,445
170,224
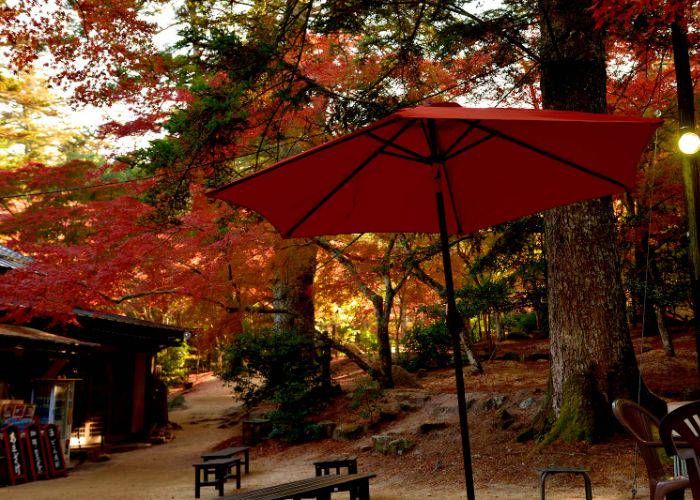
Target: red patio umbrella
x,y
446,169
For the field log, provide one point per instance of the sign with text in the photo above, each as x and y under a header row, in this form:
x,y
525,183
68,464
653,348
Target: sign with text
x,y
12,447
54,450
37,454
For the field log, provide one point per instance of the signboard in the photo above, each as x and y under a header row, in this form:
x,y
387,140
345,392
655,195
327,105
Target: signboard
x,y
37,455
13,453
54,450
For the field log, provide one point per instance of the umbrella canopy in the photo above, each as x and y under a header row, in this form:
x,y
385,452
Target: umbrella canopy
x,y
493,165
447,169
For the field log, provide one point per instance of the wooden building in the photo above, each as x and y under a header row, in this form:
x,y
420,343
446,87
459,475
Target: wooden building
x,y
109,360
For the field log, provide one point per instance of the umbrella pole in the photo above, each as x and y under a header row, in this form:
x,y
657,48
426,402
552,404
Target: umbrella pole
x,y
454,328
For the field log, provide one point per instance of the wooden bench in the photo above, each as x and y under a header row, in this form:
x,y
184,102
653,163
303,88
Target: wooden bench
x,y
323,467
221,468
315,487
228,453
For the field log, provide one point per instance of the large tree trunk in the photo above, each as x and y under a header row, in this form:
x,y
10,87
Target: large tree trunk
x,y
593,360
292,287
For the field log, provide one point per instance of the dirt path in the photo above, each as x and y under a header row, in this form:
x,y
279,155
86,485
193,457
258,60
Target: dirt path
x,y
165,471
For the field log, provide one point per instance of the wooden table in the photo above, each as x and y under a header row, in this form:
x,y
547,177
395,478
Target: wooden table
x,y
323,467
314,487
228,453
221,469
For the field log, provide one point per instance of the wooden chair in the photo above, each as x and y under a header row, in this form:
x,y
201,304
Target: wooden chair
x,y
680,433
644,428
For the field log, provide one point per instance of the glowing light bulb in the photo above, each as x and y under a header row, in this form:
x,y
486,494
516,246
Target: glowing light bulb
x,y
689,143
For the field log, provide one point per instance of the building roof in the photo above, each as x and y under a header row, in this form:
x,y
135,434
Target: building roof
x,y
9,259
25,334
101,327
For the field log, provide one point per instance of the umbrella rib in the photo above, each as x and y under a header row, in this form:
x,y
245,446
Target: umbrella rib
x,y
406,157
546,153
347,179
459,139
301,156
470,146
397,146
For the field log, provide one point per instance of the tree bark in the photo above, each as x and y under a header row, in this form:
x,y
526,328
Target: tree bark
x,y
292,287
385,360
666,340
593,360
353,354
500,331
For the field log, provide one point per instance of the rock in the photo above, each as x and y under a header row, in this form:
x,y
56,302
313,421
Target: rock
x,y
431,425
389,412
348,432
526,403
408,407
392,444
493,403
400,446
327,427
410,400
537,356
365,448
503,420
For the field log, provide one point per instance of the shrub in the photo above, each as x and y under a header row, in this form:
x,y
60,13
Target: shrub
x,y
365,396
428,346
525,322
278,367
173,363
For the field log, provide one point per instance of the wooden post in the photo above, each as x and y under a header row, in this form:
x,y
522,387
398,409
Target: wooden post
x,y
139,394
691,172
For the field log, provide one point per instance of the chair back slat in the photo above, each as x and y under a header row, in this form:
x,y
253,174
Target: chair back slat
x,y
680,434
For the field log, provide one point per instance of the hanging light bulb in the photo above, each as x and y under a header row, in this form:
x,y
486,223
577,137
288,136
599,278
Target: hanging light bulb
x,y
689,143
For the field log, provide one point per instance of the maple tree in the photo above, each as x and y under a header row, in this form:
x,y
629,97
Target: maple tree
x,y
246,84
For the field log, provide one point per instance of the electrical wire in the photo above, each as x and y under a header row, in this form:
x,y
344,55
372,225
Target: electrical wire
x,y
644,302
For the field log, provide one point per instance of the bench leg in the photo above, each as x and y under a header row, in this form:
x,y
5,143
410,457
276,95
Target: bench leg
x,y
543,478
246,454
196,483
587,483
238,475
363,490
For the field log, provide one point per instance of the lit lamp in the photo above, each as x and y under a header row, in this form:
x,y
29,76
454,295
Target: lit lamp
x,y
689,142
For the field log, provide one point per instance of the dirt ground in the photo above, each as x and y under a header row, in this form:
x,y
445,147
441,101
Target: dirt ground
x,y
504,468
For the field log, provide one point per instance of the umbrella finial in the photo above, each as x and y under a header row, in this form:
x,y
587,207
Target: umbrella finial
x,y
443,104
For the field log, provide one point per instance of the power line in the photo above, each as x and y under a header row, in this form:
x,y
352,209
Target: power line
x,y
77,188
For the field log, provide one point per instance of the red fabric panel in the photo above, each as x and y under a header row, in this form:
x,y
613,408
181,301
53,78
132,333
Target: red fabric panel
x,y
496,181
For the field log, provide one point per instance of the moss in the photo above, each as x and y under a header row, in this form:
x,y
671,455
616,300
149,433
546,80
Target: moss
x,y
582,416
